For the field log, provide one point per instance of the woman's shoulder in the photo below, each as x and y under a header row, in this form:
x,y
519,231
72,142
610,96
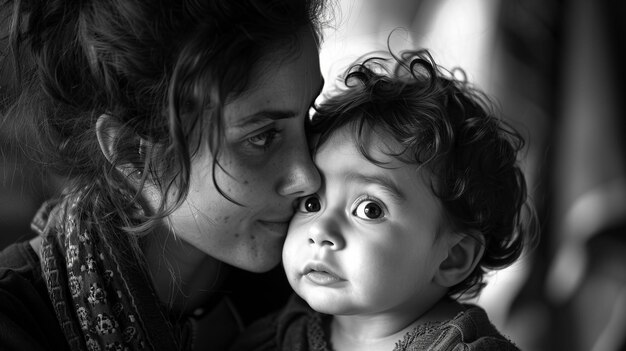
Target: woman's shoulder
x,y
27,318
19,262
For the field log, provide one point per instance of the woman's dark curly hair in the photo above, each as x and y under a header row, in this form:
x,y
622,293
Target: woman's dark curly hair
x,y
449,127
164,69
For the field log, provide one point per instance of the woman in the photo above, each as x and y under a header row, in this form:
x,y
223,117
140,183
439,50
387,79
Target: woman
x,y
180,126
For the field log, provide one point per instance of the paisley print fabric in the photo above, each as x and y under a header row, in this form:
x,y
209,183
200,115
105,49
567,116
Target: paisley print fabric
x,y
102,296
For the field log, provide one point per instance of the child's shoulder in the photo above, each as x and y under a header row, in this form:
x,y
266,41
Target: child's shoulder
x,y
470,328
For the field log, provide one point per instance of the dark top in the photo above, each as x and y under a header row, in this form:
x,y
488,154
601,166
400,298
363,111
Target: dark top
x,y
35,316
27,319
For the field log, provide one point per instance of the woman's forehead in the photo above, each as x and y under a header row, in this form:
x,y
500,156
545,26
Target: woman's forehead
x,y
280,87
300,57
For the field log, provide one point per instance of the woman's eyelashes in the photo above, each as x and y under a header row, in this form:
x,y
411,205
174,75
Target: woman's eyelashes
x,y
264,139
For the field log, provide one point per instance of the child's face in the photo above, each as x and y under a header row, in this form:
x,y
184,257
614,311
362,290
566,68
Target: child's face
x,y
371,239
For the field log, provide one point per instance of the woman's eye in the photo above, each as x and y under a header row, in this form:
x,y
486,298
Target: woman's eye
x,y
263,139
369,210
309,204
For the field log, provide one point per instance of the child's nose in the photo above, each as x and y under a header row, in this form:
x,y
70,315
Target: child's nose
x,y
325,233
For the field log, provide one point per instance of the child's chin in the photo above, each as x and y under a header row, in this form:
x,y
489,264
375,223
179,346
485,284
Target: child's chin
x,y
325,305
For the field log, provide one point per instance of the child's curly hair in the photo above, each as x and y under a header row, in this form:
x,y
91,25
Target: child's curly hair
x,y
449,127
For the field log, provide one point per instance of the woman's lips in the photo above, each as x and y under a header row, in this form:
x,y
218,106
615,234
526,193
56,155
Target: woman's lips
x,y
278,228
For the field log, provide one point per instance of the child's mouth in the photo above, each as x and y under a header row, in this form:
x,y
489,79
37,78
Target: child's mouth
x,y
320,274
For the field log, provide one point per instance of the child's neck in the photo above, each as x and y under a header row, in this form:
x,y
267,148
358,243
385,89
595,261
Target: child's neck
x,y
383,331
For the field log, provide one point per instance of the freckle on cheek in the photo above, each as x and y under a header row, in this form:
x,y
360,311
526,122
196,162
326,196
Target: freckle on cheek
x,y
236,235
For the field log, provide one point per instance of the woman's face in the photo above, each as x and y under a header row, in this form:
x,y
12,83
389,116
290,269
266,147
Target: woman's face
x,y
265,166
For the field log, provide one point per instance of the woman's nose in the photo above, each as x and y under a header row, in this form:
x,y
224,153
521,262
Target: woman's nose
x,y
302,177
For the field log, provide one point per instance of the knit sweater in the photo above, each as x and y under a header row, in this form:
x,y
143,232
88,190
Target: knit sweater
x,y
298,328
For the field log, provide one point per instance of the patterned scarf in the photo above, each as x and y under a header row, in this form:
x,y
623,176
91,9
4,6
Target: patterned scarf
x,y
102,295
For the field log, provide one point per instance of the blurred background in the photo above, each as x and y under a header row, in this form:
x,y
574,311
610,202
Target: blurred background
x,y
557,69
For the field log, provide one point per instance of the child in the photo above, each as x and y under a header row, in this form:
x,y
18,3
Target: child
x,y
421,196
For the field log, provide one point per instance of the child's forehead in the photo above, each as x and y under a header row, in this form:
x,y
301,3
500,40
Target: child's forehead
x,y
373,146
367,138
345,169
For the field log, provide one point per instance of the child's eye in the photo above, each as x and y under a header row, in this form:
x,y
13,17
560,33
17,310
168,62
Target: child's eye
x,y
263,139
309,204
369,209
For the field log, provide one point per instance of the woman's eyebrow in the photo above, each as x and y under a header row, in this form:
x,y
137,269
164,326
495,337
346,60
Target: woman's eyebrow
x,y
264,116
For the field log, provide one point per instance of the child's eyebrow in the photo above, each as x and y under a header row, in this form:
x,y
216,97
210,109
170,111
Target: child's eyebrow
x,y
381,180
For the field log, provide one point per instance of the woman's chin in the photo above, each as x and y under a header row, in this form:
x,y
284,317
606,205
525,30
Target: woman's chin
x,y
261,267
261,262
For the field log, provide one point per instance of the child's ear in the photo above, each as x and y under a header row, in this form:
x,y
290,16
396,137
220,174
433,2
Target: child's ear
x,y
464,253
